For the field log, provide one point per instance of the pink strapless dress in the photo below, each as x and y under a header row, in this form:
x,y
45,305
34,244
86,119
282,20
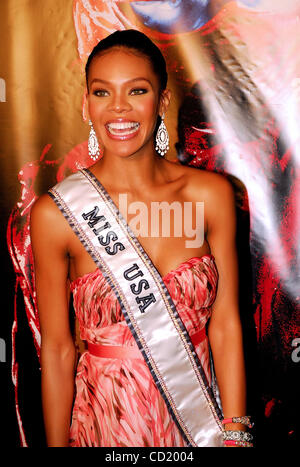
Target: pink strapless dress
x,y
117,403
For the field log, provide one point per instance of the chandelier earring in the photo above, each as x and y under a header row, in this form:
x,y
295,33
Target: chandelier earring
x,y
162,138
93,145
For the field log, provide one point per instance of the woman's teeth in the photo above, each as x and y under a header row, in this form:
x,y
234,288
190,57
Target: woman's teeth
x,y
124,128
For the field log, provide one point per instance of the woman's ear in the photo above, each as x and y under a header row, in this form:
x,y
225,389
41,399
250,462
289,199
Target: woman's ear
x,y
165,98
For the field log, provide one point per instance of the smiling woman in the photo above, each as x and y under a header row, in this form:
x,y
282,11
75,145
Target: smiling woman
x,y
124,107
164,361
143,96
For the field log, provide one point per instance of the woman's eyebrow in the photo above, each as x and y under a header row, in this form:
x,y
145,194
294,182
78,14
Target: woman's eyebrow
x,y
103,81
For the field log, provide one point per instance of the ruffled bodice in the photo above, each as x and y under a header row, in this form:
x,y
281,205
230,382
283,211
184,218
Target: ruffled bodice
x,y
192,287
106,389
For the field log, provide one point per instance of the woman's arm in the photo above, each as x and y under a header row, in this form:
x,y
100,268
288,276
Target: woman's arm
x,y
225,332
49,244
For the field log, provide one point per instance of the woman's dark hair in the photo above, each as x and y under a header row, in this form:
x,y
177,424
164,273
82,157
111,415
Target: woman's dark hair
x,y
137,41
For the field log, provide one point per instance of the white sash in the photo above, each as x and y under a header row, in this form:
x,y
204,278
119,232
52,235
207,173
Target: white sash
x,y
146,304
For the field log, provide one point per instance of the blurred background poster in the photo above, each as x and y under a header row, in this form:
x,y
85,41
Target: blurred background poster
x,y
234,73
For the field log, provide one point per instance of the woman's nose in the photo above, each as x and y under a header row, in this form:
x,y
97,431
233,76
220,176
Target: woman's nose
x,y
120,103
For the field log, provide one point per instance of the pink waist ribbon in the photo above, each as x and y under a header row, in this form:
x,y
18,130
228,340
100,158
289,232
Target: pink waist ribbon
x,y
122,351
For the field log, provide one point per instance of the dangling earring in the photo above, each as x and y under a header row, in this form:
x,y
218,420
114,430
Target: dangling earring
x,y
162,138
93,145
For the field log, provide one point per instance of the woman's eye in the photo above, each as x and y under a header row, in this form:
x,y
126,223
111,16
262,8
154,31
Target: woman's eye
x,y
138,91
100,93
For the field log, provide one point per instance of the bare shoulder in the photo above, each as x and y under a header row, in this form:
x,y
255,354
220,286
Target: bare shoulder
x,y
217,193
45,210
205,185
47,221
214,187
